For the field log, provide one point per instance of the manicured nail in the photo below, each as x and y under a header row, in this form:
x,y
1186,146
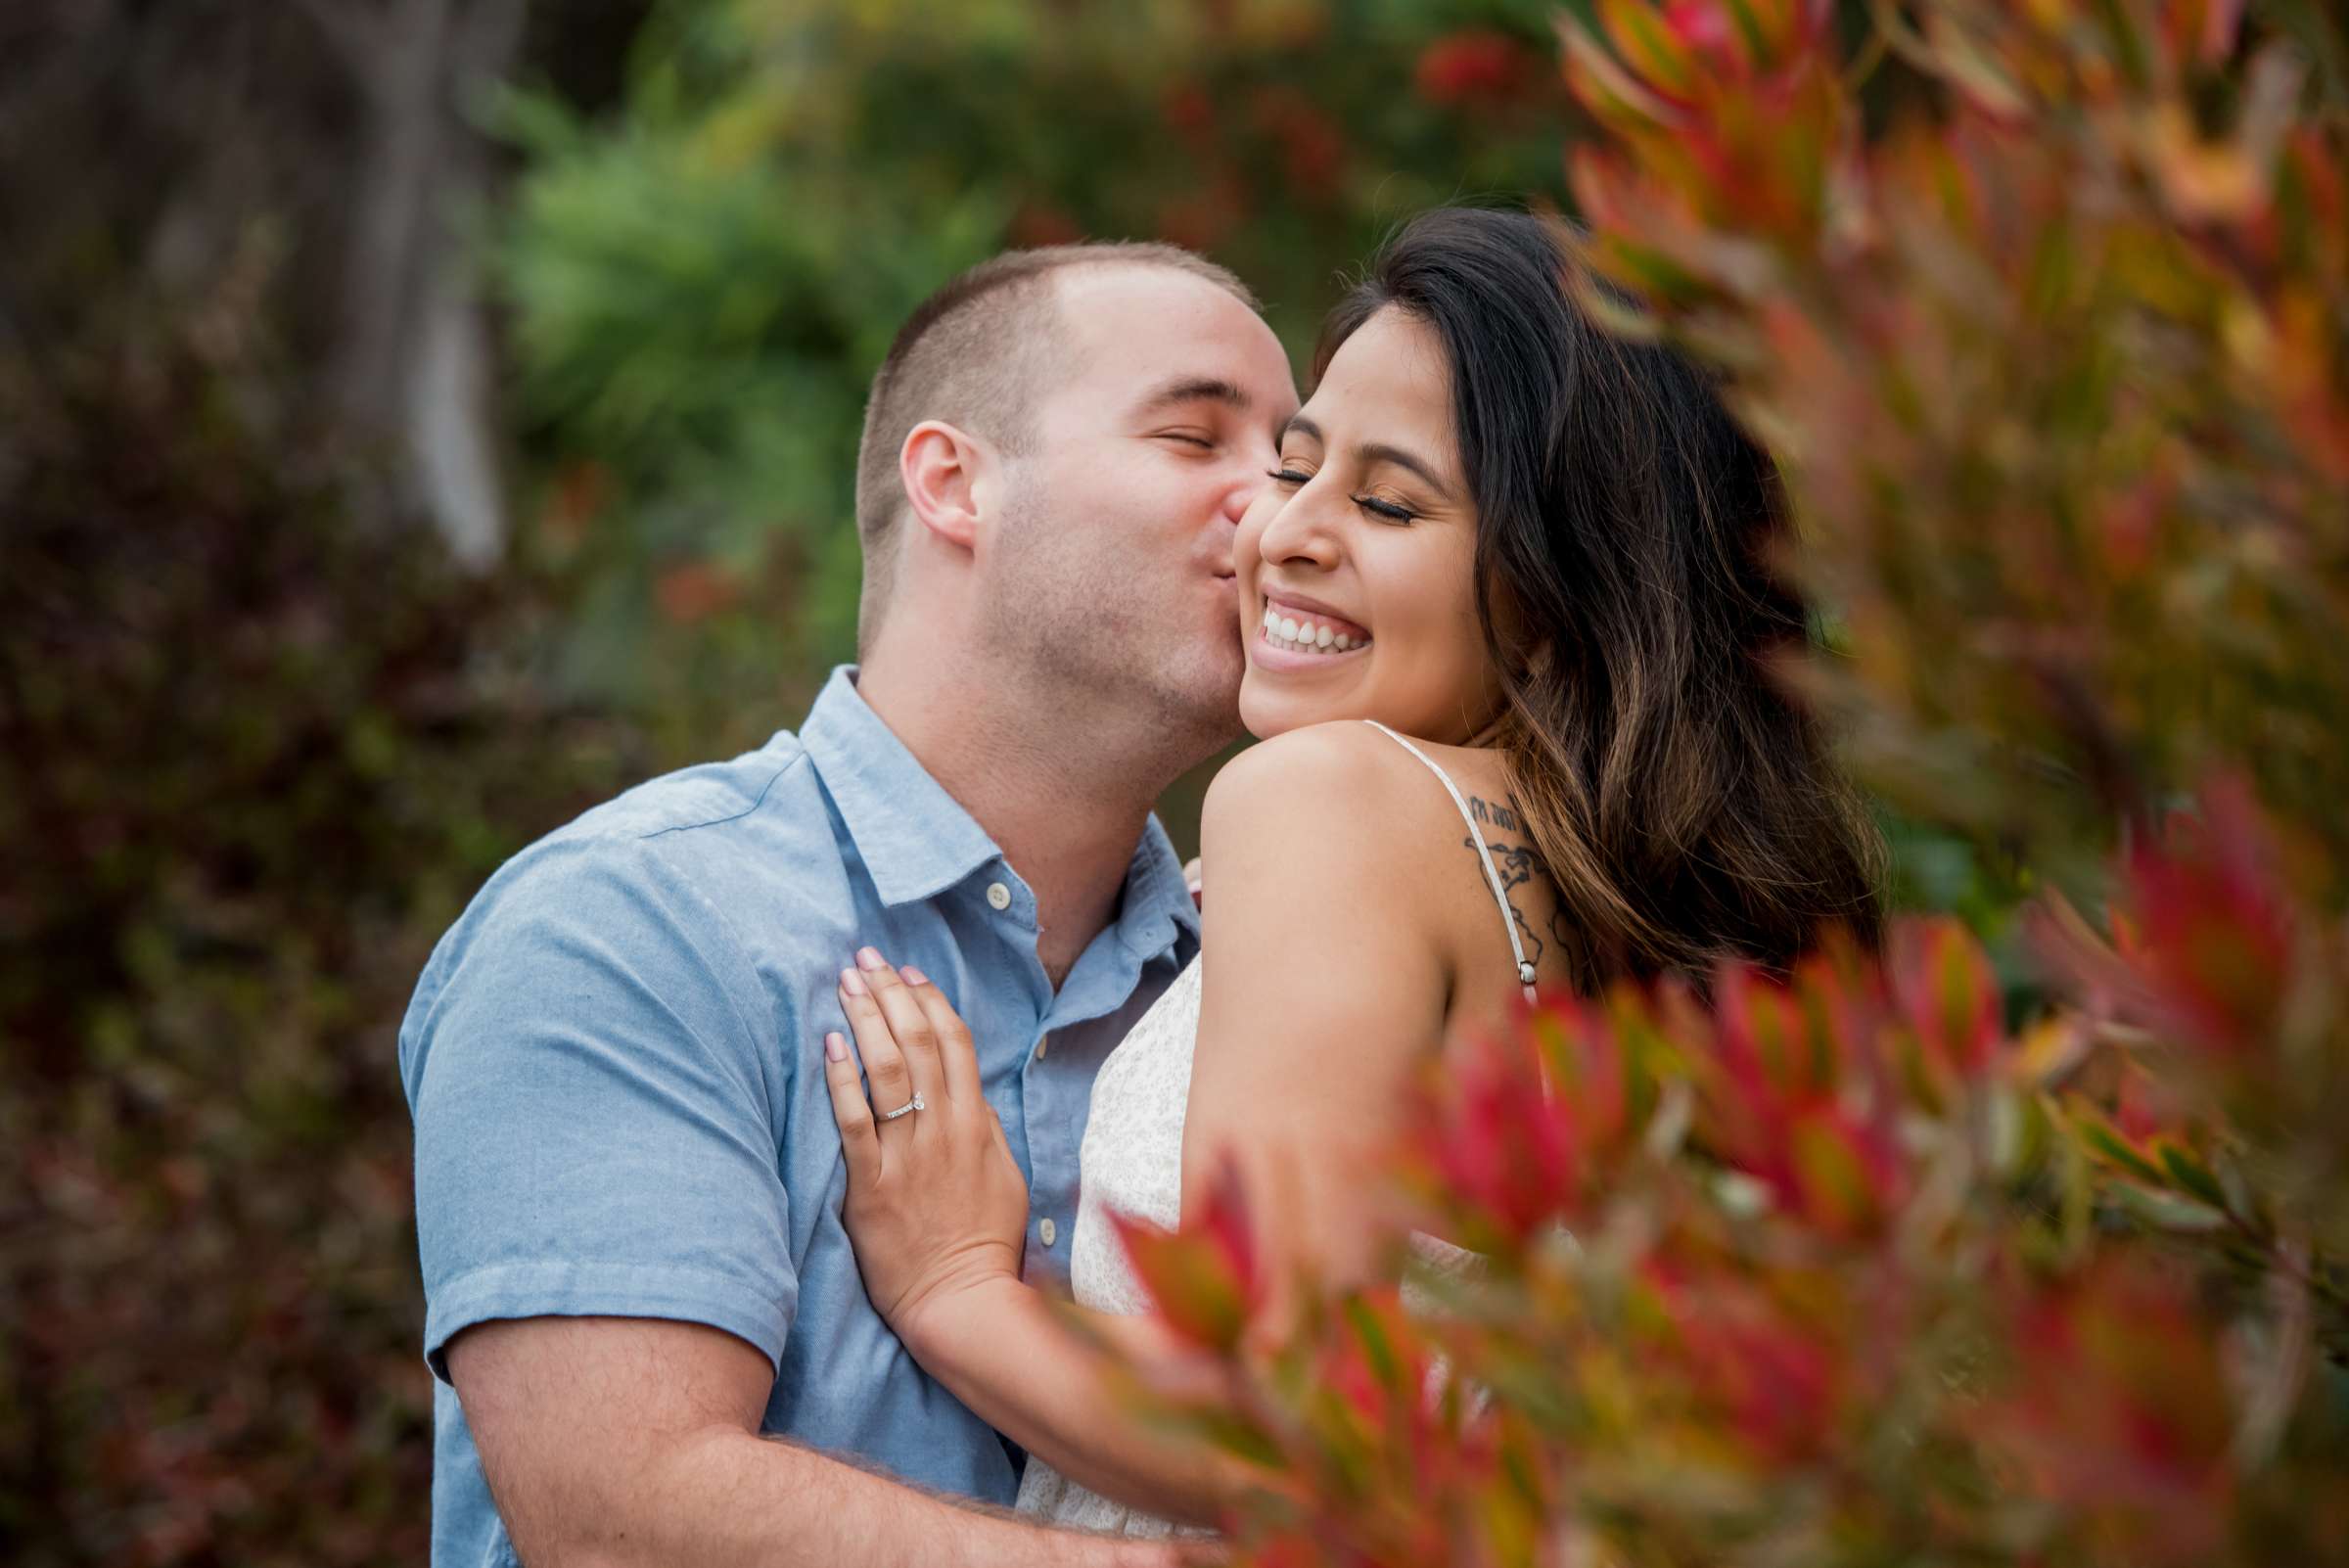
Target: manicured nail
x,y
835,1046
868,957
851,982
913,975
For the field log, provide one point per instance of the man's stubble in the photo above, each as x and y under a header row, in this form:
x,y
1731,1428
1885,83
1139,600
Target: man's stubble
x,y
1069,618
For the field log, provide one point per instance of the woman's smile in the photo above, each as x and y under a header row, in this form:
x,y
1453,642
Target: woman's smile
x,y
1295,635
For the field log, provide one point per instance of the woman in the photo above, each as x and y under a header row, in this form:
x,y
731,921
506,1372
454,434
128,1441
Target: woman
x,y
1537,561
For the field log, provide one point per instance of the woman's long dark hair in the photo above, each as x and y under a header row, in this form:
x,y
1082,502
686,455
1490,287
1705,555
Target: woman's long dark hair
x,y
1684,805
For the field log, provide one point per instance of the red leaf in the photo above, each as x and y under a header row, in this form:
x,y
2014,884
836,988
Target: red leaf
x,y
2213,933
694,591
1945,987
1473,67
2118,1407
1203,1276
1500,1153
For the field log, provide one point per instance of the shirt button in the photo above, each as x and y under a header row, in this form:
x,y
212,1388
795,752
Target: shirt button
x,y
1041,1046
998,896
1049,1230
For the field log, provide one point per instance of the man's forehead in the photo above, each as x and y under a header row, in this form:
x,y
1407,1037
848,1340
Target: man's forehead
x,y
1086,289
1150,336
1155,313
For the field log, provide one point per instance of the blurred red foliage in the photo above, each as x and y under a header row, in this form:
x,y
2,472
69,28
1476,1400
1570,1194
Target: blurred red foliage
x,y
1939,1254
1476,66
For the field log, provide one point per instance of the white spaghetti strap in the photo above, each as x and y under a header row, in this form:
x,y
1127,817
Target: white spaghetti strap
x,y
1501,897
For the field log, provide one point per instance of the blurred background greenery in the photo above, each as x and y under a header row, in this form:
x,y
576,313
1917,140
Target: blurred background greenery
x,y
700,285
419,419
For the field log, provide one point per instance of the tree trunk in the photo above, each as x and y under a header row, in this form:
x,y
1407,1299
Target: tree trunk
x,y
415,365
403,85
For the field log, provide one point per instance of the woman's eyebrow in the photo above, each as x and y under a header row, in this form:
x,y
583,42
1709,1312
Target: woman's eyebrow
x,y
1375,452
1381,452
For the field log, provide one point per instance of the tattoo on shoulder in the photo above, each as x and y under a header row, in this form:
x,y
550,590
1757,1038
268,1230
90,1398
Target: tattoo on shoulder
x,y
1501,814
1512,859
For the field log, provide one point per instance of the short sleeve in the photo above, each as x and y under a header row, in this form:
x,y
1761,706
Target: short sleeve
x,y
595,1131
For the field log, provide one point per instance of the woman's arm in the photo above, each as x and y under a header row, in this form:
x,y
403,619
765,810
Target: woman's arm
x,y
1014,1358
1327,985
937,1209
1324,990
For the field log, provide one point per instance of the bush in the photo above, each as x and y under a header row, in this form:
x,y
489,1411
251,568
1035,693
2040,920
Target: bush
x,y
1854,1266
253,758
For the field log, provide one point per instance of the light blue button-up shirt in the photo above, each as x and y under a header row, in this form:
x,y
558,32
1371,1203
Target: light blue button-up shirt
x,y
614,1063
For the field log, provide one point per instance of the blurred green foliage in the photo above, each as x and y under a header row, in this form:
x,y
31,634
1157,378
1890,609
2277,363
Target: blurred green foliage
x,y
702,283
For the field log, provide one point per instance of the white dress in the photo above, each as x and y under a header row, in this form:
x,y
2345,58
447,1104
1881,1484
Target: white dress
x,y
1132,1162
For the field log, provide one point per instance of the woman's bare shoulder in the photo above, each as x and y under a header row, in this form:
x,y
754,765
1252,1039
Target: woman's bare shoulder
x,y
1371,820
1338,781
1345,798
1311,916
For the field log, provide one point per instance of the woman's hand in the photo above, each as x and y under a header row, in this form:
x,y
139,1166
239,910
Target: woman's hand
x,y
937,1211
936,1204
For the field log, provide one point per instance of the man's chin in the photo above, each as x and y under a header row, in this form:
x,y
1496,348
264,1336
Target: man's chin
x,y
1210,703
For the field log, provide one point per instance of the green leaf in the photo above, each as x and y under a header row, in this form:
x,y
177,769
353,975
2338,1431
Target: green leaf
x,y
2193,1176
2101,1139
1377,1348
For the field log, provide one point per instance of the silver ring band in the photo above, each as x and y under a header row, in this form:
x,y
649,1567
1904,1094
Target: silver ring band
x,y
907,1109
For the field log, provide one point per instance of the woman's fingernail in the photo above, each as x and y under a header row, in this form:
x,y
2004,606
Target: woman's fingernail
x,y
835,1046
851,982
868,957
913,975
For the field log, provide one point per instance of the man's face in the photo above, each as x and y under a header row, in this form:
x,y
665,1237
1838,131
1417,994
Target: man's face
x,y
1112,575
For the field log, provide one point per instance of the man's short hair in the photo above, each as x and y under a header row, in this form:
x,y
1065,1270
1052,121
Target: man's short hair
x,y
976,354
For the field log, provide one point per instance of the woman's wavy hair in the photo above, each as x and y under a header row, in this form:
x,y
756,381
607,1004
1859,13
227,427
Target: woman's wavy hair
x,y
1685,805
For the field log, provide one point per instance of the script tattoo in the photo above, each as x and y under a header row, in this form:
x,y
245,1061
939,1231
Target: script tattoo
x,y
1502,816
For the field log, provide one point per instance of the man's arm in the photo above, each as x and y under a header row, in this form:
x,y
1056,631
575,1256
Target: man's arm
x,y
611,1441
604,1234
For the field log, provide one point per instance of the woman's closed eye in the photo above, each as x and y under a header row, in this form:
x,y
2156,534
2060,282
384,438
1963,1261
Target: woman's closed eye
x,y
1288,477
1385,510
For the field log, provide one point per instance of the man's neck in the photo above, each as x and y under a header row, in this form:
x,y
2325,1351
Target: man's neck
x,y
1067,816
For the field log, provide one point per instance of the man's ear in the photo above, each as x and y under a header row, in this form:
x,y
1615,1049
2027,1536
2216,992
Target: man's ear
x,y
947,473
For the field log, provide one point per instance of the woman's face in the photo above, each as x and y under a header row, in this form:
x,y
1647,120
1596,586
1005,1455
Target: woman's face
x,y
1355,563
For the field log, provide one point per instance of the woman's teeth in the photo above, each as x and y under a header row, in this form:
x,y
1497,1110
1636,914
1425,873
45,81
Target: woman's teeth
x,y
1306,635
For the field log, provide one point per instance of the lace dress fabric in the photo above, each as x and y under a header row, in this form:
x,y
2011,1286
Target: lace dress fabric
x,y
1131,1163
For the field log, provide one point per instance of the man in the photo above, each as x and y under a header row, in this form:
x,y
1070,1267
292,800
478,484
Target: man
x,y
629,1182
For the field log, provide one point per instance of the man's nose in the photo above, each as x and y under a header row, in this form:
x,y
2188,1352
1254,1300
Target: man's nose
x,y
1240,495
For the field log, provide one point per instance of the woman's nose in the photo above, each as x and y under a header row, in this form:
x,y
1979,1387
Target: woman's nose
x,y
1300,530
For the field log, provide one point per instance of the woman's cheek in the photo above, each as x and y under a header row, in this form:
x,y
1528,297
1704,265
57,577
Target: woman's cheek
x,y
1440,670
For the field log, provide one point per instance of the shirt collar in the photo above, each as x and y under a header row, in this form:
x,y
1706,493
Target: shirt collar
x,y
1158,910
916,841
